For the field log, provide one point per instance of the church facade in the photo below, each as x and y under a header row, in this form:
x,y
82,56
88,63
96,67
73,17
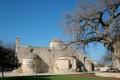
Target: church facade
x,y
56,58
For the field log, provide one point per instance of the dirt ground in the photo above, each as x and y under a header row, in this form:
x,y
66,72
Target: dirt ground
x,y
88,76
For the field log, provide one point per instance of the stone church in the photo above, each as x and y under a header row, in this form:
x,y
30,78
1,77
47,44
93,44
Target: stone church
x,y
57,58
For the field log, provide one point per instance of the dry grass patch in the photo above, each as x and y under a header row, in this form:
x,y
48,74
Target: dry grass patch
x,y
89,76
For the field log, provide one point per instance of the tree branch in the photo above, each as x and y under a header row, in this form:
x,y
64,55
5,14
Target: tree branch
x,y
117,15
92,39
101,21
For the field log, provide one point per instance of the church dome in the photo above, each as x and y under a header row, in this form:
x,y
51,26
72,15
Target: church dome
x,y
56,43
56,40
32,56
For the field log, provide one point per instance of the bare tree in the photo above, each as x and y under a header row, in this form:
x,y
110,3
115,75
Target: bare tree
x,y
33,65
107,58
96,21
10,44
51,61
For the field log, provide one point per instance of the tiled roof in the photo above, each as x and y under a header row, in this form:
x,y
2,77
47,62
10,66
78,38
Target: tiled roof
x,y
56,40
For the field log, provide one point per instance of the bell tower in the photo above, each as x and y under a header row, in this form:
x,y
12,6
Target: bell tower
x,y
17,43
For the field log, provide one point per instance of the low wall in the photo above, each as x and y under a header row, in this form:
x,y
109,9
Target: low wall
x,y
105,74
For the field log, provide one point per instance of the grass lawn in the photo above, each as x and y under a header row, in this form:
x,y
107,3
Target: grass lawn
x,y
61,77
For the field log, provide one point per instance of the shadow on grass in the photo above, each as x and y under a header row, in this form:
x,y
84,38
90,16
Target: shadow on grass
x,y
27,78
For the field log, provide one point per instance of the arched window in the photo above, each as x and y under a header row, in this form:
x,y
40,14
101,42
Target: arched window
x,y
31,50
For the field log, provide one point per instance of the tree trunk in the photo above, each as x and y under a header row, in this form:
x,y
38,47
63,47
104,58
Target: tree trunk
x,y
116,55
2,74
36,73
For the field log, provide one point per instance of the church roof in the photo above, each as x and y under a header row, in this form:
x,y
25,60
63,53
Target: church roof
x,y
32,56
56,40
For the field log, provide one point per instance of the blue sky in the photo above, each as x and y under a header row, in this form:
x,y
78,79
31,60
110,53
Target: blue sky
x,y
36,22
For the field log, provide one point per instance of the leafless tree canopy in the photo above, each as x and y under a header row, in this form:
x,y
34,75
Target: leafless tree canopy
x,y
107,58
10,45
94,21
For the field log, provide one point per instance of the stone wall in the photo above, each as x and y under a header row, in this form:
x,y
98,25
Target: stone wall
x,y
27,69
115,75
49,56
89,64
62,65
65,64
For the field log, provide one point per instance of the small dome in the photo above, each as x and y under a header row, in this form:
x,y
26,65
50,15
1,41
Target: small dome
x,y
56,40
32,56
